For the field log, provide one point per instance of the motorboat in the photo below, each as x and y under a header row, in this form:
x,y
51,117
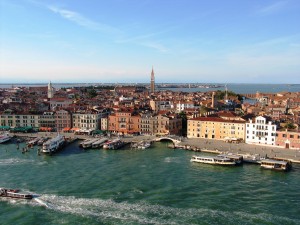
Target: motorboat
x,y
4,137
14,193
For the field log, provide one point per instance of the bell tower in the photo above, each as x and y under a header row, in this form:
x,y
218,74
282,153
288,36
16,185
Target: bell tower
x,y
152,83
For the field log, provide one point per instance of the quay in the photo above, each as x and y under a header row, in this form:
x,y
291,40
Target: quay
x,y
196,144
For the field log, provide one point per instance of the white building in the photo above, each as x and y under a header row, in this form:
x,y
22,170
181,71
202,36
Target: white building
x,y
88,121
261,131
181,106
157,105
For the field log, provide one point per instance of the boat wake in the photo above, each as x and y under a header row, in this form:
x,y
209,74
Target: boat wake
x,y
145,213
11,161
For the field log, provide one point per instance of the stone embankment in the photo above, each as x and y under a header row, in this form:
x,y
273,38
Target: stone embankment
x,y
203,144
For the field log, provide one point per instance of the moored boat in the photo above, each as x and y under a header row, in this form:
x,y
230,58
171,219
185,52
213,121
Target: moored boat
x,y
14,193
238,159
99,143
252,158
218,160
275,164
33,141
4,137
114,144
88,144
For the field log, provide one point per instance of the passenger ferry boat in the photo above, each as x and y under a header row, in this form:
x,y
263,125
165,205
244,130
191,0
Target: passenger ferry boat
x,y
275,164
53,144
14,193
218,160
4,137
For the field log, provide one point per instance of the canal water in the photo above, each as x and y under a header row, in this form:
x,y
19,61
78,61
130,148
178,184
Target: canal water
x,y
153,186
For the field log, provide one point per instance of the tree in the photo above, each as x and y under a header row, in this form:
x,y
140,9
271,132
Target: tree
x,y
289,126
183,116
92,93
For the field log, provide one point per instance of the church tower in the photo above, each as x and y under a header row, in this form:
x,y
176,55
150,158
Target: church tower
x,y
50,90
152,84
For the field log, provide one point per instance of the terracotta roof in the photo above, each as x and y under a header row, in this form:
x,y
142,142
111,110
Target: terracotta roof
x,y
216,119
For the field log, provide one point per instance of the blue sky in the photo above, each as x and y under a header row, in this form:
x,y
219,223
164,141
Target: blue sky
x,y
249,41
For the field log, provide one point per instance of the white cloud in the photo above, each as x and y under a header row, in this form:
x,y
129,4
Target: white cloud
x,y
83,21
273,8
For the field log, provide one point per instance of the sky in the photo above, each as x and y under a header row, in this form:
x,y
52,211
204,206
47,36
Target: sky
x,y
191,41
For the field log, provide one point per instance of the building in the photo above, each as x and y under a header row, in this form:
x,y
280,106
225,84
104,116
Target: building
x,y
166,124
20,120
86,121
158,105
104,123
124,121
216,128
261,130
60,103
152,82
288,139
63,120
47,120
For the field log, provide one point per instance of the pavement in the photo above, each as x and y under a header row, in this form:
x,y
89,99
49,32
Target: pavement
x,y
241,148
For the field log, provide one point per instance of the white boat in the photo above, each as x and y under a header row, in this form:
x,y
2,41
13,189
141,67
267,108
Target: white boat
x,y
114,144
144,144
218,160
14,193
275,164
53,144
88,144
99,143
4,137
249,158
33,141
238,159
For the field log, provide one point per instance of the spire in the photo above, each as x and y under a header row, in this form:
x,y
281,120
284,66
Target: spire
x,y
152,83
50,90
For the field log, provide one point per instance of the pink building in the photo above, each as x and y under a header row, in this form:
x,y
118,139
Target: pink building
x,y
288,139
63,120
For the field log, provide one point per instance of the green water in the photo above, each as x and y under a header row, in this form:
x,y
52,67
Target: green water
x,y
153,186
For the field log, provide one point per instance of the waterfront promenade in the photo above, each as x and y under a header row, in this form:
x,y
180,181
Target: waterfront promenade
x,y
207,144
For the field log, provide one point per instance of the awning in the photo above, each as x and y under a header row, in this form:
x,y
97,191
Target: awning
x,y
4,127
75,129
66,129
45,128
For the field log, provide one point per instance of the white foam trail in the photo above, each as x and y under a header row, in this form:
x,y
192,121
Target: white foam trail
x,y
15,161
145,213
43,203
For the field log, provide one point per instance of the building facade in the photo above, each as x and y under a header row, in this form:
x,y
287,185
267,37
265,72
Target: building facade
x,y
288,139
216,128
260,131
63,119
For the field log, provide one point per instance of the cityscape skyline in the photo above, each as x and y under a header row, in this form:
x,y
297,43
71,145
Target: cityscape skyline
x,y
119,41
